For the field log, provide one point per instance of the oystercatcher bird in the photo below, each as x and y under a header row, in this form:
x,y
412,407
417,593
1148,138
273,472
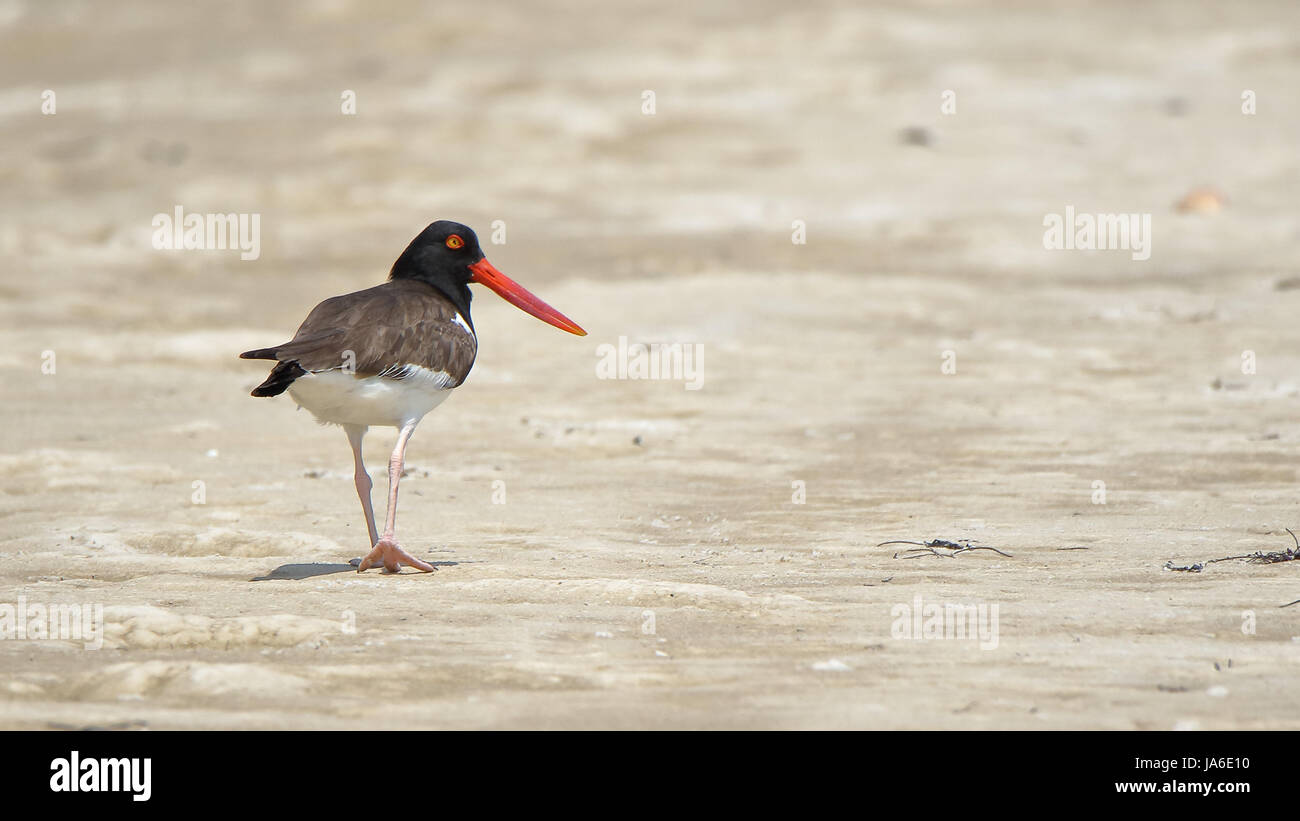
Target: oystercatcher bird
x,y
390,354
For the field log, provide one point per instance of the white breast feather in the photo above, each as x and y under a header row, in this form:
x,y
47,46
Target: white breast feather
x,y
399,395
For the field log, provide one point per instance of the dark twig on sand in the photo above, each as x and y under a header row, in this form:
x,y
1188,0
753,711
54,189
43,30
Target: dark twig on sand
x,y
1291,554
929,548
931,543
1258,557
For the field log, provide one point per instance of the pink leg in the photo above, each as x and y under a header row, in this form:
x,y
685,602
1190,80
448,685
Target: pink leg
x,y
362,479
387,551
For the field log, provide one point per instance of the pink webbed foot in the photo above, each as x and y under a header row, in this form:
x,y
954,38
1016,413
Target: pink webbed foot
x,y
391,555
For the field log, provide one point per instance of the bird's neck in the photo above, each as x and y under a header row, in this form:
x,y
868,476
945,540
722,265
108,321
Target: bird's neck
x,y
460,296
457,293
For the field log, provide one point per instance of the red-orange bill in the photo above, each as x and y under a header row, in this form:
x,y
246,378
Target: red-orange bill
x,y
485,273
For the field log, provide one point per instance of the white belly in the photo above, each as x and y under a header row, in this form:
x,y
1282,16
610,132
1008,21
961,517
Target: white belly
x,y
346,399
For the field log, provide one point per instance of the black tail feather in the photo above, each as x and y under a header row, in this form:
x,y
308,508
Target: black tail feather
x,y
282,376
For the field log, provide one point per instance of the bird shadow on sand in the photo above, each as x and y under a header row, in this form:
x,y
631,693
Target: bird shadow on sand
x,y
296,572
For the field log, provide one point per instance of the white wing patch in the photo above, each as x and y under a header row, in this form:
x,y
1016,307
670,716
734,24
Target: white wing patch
x,y
437,380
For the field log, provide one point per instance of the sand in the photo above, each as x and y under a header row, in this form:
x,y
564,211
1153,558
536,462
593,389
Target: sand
x,y
664,557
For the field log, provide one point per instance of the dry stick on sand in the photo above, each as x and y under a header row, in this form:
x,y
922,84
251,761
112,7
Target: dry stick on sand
x,y
957,547
1258,557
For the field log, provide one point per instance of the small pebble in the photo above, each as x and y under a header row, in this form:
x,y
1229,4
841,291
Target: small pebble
x,y
832,666
915,135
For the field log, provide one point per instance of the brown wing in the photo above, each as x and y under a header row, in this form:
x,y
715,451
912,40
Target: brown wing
x,y
378,331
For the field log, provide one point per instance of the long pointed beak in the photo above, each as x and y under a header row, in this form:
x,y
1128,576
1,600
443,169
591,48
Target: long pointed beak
x,y
485,273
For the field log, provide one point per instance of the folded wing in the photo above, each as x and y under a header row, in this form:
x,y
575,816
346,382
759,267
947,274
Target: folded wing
x,y
392,330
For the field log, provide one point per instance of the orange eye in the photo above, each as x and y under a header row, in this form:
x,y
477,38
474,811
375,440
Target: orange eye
x,y
454,242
